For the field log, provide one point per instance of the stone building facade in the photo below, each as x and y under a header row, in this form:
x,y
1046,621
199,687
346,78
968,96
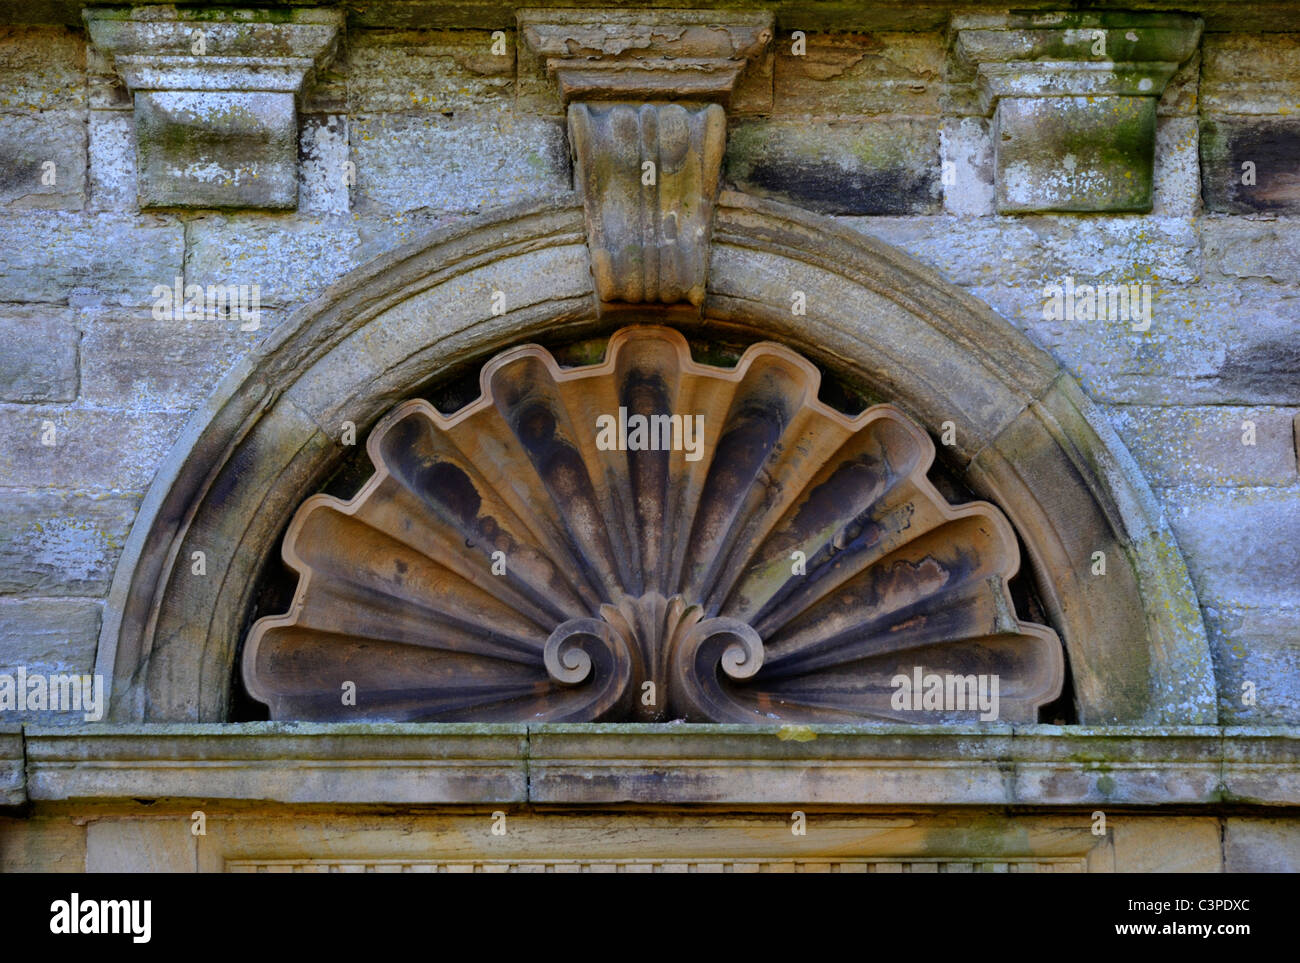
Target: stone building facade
x,y
1065,246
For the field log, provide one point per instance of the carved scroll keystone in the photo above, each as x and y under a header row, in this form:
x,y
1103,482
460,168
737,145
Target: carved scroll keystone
x,y
646,92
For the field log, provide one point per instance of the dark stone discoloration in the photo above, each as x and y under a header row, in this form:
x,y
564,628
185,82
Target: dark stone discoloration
x,y
1271,144
880,167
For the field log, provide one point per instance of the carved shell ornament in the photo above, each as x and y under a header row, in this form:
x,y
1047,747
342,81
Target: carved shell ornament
x,y
648,538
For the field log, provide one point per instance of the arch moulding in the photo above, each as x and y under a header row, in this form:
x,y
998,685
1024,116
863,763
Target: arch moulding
x,y
1027,438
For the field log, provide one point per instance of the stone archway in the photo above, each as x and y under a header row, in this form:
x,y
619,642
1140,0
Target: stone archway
x,y
1027,438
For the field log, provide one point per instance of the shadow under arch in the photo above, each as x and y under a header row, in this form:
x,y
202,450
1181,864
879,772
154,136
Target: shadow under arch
x,y
1027,438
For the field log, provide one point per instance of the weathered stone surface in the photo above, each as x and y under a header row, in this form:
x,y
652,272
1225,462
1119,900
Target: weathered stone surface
x,y
1261,845
1250,73
105,89
1074,153
410,342
291,261
143,364
1032,252
49,637
1073,54
648,246
434,763
847,74
1073,97
134,846
1180,98
216,148
966,171
1208,445
601,764
1240,543
58,543
1236,248
884,166
286,451
951,365
1041,483
1261,764
38,354
112,161
1176,186
43,160
326,173
1188,845
436,70
42,68
1248,164
93,448
658,603
1259,646
466,163
1248,144
1216,343
90,266
13,782
36,845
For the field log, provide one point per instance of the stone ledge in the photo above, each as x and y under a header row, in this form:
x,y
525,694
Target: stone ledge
x,y
653,764
280,762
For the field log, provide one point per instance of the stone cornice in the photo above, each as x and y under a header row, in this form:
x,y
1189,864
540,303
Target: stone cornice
x,y
1056,54
353,764
849,15
646,54
153,48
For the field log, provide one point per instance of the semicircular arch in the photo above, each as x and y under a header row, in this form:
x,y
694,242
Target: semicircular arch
x,y
1026,438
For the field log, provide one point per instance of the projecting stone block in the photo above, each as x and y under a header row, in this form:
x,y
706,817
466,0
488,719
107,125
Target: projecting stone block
x,y
216,99
1073,97
1075,153
222,149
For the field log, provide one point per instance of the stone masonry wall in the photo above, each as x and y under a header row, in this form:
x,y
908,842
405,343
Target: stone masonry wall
x,y
877,129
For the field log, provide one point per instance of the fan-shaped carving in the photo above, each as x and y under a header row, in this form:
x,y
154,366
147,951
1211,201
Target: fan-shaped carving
x,y
504,564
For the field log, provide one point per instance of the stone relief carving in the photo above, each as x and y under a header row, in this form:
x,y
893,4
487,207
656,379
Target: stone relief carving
x,y
646,92
553,552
